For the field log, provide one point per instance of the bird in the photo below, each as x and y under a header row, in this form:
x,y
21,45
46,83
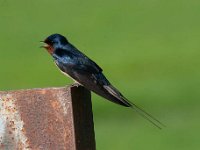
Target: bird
x,y
85,72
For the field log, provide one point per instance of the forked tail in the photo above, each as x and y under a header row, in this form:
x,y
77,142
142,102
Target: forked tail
x,y
120,99
146,115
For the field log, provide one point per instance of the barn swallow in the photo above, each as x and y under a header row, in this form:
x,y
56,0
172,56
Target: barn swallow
x,y
87,73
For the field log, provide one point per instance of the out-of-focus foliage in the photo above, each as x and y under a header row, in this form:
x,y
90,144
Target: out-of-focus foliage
x,y
149,49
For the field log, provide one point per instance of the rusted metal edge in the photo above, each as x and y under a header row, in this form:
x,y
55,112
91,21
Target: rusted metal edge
x,y
82,127
31,89
47,118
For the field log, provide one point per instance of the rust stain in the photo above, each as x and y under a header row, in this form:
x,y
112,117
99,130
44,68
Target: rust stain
x,y
45,123
42,92
38,119
55,104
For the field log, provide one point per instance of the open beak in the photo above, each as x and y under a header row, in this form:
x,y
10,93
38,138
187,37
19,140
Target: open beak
x,y
45,45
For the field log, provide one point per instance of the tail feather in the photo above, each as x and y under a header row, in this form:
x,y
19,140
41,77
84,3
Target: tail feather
x,y
117,95
147,116
112,90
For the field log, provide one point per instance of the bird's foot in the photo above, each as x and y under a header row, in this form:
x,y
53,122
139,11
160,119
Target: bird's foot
x,y
76,84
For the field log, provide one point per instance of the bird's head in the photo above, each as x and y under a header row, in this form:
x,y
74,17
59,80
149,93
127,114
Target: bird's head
x,y
54,41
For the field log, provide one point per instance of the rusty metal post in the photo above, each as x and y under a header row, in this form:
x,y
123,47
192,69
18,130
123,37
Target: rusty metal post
x,y
47,119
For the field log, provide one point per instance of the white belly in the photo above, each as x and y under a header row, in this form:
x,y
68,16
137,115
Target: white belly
x,y
68,75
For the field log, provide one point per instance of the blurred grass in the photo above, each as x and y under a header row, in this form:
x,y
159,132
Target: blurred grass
x,y
149,49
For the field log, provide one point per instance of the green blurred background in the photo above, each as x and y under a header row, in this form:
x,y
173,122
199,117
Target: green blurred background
x,y
149,49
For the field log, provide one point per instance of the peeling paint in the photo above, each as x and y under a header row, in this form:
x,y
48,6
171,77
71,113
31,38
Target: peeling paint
x,y
11,124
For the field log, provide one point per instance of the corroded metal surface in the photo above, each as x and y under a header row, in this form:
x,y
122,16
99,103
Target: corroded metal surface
x,y
46,119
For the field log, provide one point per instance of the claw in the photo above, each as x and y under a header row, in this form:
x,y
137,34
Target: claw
x,y
76,84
